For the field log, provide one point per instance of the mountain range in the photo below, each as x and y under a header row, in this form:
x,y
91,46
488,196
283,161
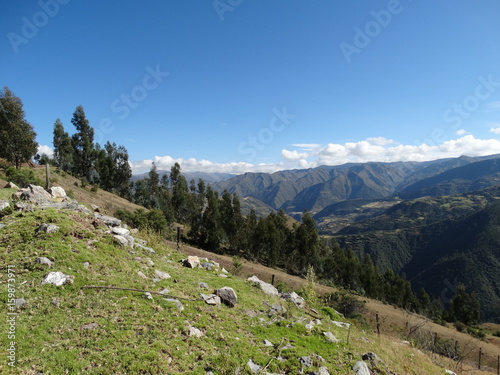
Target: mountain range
x,y
436,221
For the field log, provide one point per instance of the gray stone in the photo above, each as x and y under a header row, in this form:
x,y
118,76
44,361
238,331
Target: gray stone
x,y
276,309
55,302
162,275
4,205
148,295
35,194
227,296
11,185
177,303
203,285
57,192
120,240
121,231
449,372
208,266
89,326
323,371
141,275
47,228
341,324
254,367
95,208
370,356
360,368
19,302
110,221
164,291
268,343
267,288
57,278
194,332
191,261
330,337
306,361
142,247
86,265
211,299
294,298
44,261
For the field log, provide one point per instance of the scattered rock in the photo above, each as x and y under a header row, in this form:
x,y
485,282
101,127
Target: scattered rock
x,y
227,296
288,346
121,231
55,302
47,228
11,185
191,262
203,285
208,266
330,337
449,372
57,192
195,332
162,275
364,339
89,326
95,208
86,265
360,368
18,302
120,240
148,295
268,343
254,367
57,278
224,276
44,261
164,291
306,361
142,275
276,309
341,324
4,205
110,221
177,303
266,287
295,298
34,194
142,247
211,299
323,371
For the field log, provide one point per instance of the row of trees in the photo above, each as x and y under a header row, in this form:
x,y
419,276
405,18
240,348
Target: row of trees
x,y
107,166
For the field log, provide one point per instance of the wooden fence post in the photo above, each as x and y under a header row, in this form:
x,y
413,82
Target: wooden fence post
x,y
47,176
272,281
479,359
378,324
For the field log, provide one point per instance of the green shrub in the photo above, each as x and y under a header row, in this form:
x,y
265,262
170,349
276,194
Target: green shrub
x,y
154,219
23,177
345,303
497,333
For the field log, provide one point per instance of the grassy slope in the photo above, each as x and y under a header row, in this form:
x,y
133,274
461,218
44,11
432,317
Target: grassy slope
x,y
135,332
137,335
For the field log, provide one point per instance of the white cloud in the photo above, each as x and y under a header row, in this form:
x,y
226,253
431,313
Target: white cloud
x,y
307,146
495,129
370,150
42,149
379,141
194,165
293,155
461,132
494,105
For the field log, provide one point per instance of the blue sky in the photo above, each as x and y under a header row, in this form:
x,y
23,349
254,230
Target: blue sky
x,y
254,85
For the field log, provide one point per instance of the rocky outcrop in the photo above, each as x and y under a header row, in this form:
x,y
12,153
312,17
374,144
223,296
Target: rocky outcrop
x,y
267,288
57,278
227,296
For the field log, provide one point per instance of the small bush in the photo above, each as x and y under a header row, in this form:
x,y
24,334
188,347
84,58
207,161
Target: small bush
x,y
497,333
94,189
345,303
461,327
23,177
476,332
237,265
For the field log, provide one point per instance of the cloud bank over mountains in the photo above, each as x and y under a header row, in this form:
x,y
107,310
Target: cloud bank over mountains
x,y
378,149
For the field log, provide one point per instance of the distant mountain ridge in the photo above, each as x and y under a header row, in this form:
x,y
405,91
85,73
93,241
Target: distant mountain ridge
x,y
315,189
